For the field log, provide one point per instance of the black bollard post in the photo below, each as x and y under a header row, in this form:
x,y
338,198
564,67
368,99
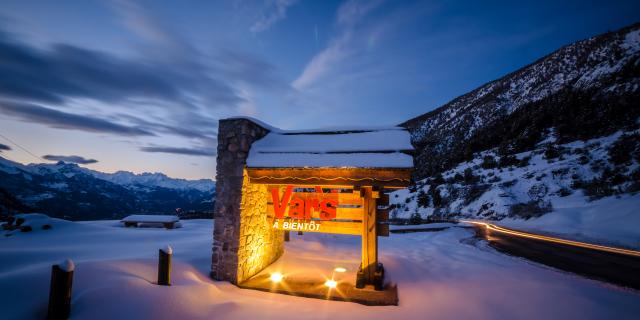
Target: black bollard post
x,y
164,266
287,236
60,290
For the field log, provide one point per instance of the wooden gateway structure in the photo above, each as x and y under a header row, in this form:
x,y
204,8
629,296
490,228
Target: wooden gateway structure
x,y
329,181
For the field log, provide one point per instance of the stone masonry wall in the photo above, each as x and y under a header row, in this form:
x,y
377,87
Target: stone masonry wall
x,y
260,244
243,242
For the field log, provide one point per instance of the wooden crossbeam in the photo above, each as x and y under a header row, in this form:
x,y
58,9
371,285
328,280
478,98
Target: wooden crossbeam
x,y
336,227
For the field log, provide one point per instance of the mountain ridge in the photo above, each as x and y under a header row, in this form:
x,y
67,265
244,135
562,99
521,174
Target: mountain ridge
x,y
67,190
602,67
554,143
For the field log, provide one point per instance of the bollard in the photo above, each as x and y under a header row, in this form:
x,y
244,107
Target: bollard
x,y
60,290
286,236
164,266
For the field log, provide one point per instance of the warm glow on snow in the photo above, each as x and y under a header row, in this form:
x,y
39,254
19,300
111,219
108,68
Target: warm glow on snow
x,y
276,277
331,283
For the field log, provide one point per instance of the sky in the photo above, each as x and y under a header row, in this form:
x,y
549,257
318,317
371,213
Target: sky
x,y
140,85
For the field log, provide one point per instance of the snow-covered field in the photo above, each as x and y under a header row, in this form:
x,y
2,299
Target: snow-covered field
x,y
440,275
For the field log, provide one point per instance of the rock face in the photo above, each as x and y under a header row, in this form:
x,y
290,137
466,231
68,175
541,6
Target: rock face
x,y
243,241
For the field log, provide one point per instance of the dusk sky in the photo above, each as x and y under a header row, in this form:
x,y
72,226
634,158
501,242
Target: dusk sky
x,y
140,86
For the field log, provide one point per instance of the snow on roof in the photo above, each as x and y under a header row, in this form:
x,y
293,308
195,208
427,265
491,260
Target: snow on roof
x,y
150,218
381,147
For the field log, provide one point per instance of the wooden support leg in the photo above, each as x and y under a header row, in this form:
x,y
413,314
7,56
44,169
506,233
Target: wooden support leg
x,y
60,293
164,266
369,267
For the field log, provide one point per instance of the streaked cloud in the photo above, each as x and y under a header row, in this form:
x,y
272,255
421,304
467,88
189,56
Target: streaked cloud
x,y
272,12
349,40
178,150
63,120
4,147
70,159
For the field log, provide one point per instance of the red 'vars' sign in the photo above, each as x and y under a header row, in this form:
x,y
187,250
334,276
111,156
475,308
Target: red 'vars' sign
x,y
301,207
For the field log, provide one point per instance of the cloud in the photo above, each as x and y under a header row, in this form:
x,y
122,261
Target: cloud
x,y
273,11
70,159
63,120
66,71
4,147
170,88
349,41
178,150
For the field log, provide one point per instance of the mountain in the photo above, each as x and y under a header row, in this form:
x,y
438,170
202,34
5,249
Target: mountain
x,y
563,131
70,191
583,90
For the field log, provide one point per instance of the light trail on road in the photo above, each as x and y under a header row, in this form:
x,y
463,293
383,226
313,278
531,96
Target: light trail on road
x,y
493,227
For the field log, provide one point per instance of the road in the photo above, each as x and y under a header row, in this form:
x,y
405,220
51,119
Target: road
x,y
614,265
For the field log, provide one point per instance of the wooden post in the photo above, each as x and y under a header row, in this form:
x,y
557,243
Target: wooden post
x,y
369,264
60,290
287,236
164,266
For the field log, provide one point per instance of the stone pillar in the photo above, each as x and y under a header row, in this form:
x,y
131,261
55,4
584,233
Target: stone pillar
x,y
243,241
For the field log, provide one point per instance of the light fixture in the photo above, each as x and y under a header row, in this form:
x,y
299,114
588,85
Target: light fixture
x,y
331,284
276,277
340,269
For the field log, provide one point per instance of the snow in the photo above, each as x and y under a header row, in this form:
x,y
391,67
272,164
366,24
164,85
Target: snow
x,y
387,140
611,220
34,220
167,249
440,275
368,149
157,179
150,218
67,265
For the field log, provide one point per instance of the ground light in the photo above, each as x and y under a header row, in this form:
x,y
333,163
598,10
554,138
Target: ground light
x,y
276,277
331,284
340,269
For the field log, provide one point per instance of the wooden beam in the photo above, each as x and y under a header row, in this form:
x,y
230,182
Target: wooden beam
x,y
383,230
381,177
337,227
383,215
369,236
384,200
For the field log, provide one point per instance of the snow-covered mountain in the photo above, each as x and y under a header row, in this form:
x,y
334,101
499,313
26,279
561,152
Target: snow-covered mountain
x,y
68,190
579,85
560,134
156,179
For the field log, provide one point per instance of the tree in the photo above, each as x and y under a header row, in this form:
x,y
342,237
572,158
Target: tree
x,y
415,218
423,199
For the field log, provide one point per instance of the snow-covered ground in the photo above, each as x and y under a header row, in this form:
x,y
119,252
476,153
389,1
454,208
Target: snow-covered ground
x,y
440,275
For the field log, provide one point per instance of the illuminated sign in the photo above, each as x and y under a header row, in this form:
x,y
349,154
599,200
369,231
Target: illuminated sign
x,y
313,210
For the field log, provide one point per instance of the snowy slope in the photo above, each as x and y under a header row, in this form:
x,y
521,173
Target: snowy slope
x,y
575,189
440,275
602,69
